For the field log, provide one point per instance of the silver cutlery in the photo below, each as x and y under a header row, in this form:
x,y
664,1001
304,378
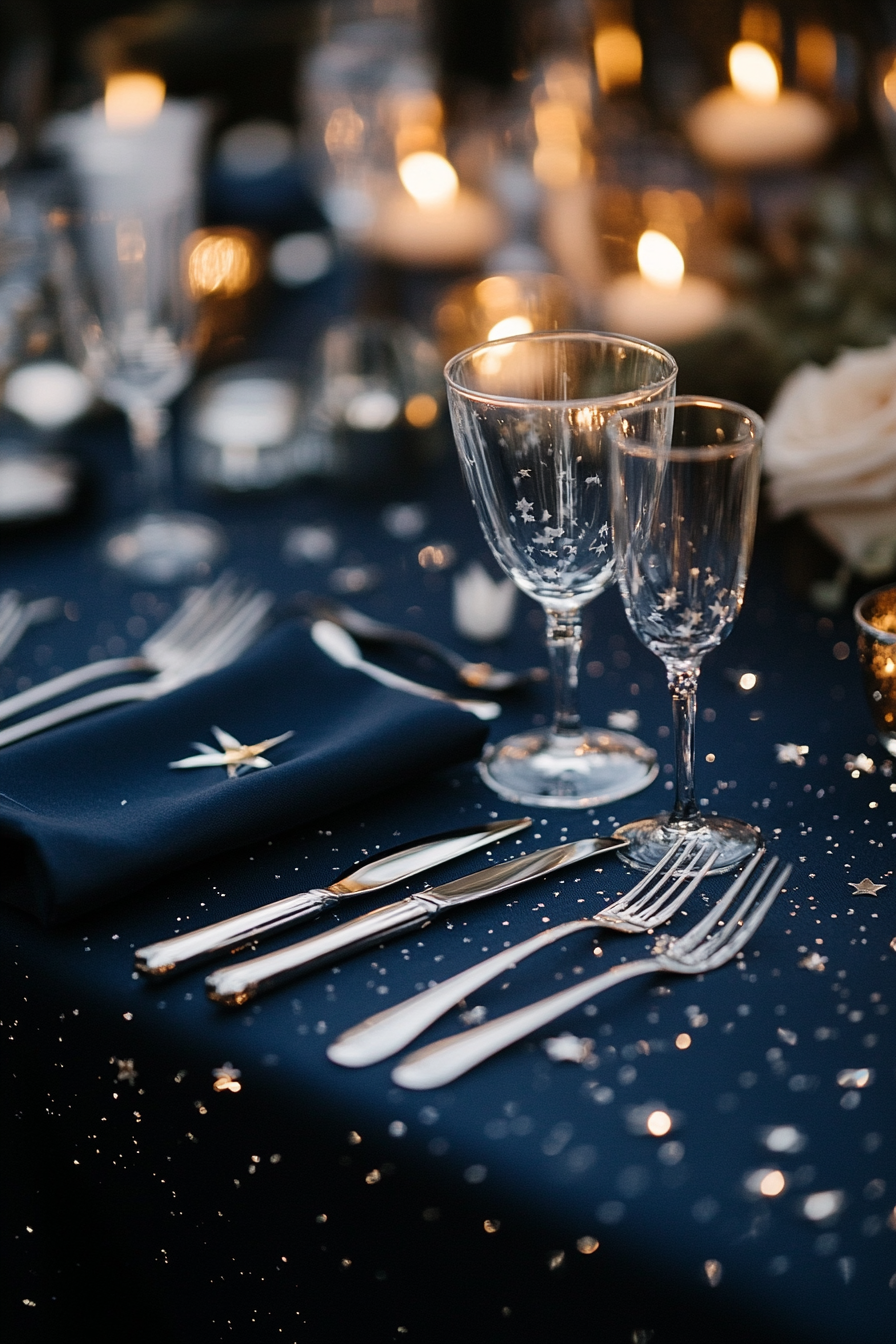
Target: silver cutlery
x,y
478,676
237,984
17,616
338,644
652,901
367,875
707,946
218,647
200,615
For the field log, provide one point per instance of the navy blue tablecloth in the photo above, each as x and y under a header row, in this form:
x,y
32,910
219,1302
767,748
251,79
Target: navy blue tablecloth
x,y
217,1178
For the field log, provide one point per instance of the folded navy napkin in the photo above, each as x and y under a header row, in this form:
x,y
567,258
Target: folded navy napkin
x,y
91,812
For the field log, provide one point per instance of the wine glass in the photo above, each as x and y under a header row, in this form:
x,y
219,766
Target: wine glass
x,y
530,417
683,522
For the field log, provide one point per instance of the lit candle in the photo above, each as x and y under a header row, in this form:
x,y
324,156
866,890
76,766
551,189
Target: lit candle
x,y
753,123
662,303
431,220
133,99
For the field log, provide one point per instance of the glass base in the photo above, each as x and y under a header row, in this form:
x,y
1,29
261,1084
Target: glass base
x,y
165,547
542,769
650,840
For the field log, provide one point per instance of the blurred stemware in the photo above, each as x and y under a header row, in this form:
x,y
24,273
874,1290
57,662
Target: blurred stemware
x,y
530,417
138,323
683,524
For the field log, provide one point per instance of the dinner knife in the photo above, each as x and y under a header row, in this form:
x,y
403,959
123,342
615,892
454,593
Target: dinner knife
x,y
371,874
236,984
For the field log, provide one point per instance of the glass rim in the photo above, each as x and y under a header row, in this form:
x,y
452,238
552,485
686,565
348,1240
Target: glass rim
x,y
620,400
706,452
874,631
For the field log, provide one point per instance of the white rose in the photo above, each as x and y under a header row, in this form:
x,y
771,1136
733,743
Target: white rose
x,y
831,433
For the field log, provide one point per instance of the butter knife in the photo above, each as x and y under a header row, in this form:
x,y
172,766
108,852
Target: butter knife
x,y
239,983
246,930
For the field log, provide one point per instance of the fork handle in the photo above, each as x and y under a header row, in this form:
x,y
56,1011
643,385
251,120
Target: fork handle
x,y
380,1036
440,1063
69,681
112,695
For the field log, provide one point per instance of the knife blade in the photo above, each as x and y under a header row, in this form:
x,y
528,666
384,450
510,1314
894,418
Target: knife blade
x,y
236,984
246,930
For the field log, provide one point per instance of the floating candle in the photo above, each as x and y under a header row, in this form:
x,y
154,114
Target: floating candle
x,y
753,123
662,303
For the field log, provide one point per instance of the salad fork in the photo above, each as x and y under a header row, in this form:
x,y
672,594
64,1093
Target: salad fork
x,y
203,612
708,945
16,616
220,645
652,901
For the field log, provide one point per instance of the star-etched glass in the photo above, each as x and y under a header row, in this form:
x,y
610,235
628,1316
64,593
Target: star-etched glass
x,y
683,521
530,417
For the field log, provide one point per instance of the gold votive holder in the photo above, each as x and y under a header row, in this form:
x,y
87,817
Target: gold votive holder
x,y
875,617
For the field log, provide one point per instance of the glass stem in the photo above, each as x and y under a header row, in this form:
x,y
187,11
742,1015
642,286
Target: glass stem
x,y
683,685
564,639
149,427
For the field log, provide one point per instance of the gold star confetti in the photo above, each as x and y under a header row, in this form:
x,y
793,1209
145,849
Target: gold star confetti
x,y
866,887
126,1071
233,755
226,1078
790,753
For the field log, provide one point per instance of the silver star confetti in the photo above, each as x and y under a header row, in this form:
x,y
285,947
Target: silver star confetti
x,y
576,1049
790,753
859,765
813,962
866,887
233,756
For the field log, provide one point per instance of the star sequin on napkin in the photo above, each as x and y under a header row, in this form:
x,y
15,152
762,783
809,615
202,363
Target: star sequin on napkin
x,y
866,887
790,753
233,756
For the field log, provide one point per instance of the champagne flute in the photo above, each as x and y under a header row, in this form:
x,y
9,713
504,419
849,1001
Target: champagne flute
x,y
683,522
530,417
140,188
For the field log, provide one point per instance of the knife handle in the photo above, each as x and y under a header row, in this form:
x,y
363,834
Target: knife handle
x,y
236,984
230,935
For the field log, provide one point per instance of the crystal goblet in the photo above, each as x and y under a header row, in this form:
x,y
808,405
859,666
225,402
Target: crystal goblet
x,y
530,417
683,521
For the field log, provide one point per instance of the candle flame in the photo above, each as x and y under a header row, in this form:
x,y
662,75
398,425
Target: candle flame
x,y
617,57
429,178
220,263
510,326
890,86
754,72
659,260
132,100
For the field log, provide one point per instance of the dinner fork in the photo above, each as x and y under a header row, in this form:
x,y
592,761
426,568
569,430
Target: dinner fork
x,y
708,945
200,615
652,901
16,616
218,646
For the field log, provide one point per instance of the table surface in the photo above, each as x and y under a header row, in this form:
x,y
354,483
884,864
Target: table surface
x,y
115,1103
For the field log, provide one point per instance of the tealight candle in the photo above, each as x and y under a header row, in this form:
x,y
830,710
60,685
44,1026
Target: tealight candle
x,y
753,123
431,220
662,303
133,99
